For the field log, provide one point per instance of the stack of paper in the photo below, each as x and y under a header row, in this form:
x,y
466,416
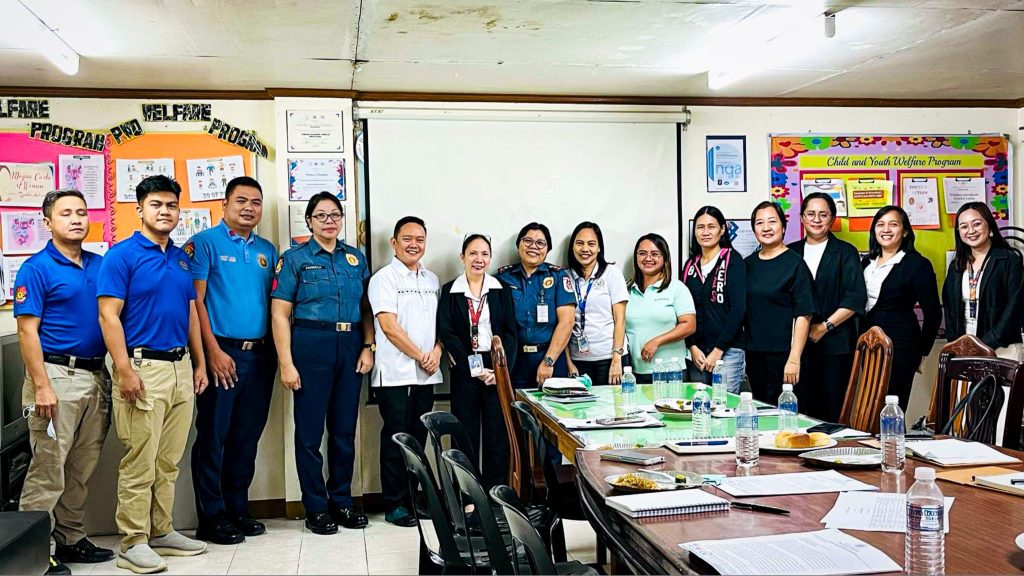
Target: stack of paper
x,y
953,452
793,483
874,512
820,553
592,424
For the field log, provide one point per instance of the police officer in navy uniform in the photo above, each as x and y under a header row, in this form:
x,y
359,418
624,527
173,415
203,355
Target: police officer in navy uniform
x,y
323,354
545,307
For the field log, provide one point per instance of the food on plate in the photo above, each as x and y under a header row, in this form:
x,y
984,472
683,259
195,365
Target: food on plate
x,y
638,482
801,439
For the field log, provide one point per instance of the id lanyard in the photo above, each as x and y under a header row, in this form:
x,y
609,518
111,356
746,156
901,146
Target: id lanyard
x,y
474,320
581,303
972,282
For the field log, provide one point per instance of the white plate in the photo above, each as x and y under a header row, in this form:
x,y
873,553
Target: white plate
x,y
767,443
1020,541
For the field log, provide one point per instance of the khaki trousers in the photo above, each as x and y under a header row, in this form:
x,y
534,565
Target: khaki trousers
x,y
58,475
154,430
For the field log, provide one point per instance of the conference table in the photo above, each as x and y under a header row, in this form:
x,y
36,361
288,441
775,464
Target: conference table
x,y
983,523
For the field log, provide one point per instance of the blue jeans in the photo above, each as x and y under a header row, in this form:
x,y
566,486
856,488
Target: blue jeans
x,y
735,368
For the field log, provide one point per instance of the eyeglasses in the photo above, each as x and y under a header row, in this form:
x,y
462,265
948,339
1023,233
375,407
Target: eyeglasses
x,y
965,226
531,243
323,217
812,216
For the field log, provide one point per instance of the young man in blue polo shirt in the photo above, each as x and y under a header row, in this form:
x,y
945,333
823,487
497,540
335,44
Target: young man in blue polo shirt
x,y
65,383
149,322
232,269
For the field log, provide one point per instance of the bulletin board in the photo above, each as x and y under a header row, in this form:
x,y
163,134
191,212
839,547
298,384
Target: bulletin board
x,y
898,159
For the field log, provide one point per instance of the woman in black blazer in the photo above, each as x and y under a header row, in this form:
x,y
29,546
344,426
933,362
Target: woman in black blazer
x,y
839,298
898,278
473,308
982,290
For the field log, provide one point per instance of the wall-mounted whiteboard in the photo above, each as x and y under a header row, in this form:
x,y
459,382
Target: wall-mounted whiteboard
x,y
492,177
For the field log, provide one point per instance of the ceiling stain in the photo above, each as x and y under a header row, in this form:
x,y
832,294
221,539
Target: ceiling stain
x,y
392,17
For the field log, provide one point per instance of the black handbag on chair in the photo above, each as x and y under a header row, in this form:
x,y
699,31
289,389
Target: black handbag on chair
x,y
979,410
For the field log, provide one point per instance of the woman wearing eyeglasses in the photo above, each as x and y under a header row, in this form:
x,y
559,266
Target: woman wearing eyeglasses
x,y
323,353
780,302
473,308
839,298
660,312
982,292
599,334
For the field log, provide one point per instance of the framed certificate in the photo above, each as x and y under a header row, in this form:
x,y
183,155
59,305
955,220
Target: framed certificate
x,y
726,163
315,131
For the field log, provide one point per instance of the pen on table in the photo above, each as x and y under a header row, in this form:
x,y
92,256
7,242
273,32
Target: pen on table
x,y
1016,481
758,508
702,443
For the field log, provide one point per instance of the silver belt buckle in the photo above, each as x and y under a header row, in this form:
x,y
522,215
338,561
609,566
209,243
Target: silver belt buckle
x,y
343,327
530,349
71,365
248,345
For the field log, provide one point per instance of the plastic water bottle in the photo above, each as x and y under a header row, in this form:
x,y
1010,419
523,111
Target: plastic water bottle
x,y
628,391
701,412
658,376
788,409
675,369
893,430
924,547
719,387
747,448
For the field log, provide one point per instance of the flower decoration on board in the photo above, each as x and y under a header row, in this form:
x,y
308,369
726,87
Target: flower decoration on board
x,y
1000,189
867,140
895,140
779,178
963,142
844,141
915,140
789,148
816,142
990,147
936,141
780,165
779,192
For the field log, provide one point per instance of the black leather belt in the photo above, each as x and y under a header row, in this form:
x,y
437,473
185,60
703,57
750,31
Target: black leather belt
x,y
172,355
244,345
321,325
74,362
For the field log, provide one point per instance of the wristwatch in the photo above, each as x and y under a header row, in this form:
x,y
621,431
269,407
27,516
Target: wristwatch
x,y
549,361
619,351
372,346
829,326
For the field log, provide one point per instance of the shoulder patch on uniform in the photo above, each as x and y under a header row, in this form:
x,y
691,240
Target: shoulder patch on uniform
x,y
262,259
548,282
554,267
506,268
352,260
20,294
190,249
280,264
567,284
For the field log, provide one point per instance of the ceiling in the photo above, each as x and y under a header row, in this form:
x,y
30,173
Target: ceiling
x,y
945,49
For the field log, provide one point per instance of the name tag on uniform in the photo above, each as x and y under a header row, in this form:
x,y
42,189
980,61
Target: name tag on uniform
x,y
476,365
542,313
583,343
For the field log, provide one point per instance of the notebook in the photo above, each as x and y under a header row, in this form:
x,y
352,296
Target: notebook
x,y
1002,483
954,452
667,503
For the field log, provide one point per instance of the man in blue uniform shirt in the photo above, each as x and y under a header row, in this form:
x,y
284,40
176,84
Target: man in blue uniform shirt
x,y
148,317
232,269
61,344
545,309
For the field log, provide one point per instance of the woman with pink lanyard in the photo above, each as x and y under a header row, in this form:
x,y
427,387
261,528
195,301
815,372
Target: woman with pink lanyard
x,y
717,279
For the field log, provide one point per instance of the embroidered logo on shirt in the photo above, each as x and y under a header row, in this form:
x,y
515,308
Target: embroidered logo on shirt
x,y
352,260
20,295
190,249
262,259
567,284
280,264
183,264
548,282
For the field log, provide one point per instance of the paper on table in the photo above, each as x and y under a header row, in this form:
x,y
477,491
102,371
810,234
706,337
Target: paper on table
x,y
850,433
792,483
954,452
874,512
823,552
591,424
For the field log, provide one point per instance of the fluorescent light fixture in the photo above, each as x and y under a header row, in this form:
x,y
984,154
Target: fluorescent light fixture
x,y
25,28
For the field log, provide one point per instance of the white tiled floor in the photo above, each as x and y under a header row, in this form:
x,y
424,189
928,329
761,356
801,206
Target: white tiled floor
x,y
287,548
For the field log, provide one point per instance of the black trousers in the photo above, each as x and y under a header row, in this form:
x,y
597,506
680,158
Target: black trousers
x,y
764,373
823,382
905,360
598,369
400,409
477,406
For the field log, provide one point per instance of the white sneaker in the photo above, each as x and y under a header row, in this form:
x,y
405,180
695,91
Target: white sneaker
x,y
141,559
174,544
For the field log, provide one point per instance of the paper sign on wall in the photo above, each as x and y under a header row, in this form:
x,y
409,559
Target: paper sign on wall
x,y
131,172
959,191
831,186
24,232
298,232
308,176
208,177
85,173
867,196
24,184
920,200
192,222
11,265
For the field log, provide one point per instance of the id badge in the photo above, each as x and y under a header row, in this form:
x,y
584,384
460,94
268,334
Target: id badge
x,y
583,343
476,365
542,313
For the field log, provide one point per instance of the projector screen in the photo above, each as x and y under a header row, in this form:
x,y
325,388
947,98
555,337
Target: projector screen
x,y
492,177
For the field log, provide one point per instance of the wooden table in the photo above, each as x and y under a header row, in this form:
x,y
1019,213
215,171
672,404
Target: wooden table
x,y
983,523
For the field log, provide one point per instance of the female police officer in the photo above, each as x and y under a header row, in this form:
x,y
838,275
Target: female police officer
x,y
322,354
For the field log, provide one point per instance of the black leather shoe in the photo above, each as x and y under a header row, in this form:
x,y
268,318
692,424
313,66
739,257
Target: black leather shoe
x,y
218,530
83,552
248,526
56,567
321,523
347,517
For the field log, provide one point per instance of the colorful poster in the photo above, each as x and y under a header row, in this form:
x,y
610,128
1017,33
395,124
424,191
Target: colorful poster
x,y
11,265
960,191
23,184
193,221
315,131
131,172
831,186
308,176
298,232
867,196
85,173
726,163
208,177
24,232
920,199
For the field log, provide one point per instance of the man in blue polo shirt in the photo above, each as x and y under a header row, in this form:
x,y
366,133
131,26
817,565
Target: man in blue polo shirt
x,y
65,385
232,269
148,316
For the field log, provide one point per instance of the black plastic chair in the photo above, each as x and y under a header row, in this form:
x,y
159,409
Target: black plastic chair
x,y
526,535
451,552
441,425
978,412
591,503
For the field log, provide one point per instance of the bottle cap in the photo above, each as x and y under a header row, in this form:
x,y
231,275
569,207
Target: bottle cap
x,y
892,399
924,473
719,362
627,369
659,360
746,396
787,387
701,386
